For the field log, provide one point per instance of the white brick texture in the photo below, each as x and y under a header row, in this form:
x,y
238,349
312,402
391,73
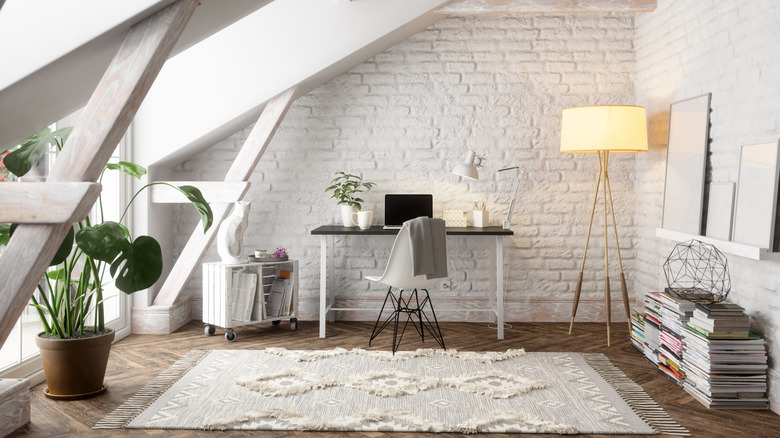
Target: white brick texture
x,y
403,119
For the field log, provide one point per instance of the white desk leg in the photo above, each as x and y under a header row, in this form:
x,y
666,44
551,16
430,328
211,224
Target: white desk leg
x,y
331,277
500,285
323,282
493,287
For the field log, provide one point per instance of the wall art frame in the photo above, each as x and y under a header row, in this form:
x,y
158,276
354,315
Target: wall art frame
x,y
720,210
755,211
686,164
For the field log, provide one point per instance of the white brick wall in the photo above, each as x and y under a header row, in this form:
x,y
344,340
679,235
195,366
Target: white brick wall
x,y
730,48
495,84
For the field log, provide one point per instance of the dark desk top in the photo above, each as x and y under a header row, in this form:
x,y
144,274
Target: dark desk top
x,y
377,230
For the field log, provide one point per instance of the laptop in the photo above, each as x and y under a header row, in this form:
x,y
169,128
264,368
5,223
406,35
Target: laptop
x,y
400,208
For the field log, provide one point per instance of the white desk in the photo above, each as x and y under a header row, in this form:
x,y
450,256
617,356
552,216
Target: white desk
x,y
327,278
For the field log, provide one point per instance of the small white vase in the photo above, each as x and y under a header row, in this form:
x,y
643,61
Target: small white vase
x,y
346,215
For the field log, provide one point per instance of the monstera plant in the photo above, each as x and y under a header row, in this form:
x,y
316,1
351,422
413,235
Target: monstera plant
x,y
70,295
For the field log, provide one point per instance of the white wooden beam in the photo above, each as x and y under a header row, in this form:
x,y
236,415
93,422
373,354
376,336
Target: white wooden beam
x,y
215,192
96,134
46,203
464,7
242,168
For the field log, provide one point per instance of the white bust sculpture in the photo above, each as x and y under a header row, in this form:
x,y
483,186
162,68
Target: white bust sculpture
x,y
230,238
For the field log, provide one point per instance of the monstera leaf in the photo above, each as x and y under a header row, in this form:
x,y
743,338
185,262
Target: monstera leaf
x,y
7,230
197,200
138,266
33,149
129,168
102,242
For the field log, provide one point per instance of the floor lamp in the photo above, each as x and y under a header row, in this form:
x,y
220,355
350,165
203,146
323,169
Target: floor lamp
x,y
602,130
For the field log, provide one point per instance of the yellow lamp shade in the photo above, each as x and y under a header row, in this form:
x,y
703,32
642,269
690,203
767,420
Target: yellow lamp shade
x,y
612,128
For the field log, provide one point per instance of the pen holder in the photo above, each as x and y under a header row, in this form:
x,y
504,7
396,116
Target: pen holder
x,y
481,218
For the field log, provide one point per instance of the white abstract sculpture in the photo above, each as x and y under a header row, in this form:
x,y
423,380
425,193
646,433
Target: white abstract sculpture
x,y
230,239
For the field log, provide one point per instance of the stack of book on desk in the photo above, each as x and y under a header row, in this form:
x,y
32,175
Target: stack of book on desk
x,y
638,329
724,363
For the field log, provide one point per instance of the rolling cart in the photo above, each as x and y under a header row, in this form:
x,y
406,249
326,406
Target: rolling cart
x,y
229,290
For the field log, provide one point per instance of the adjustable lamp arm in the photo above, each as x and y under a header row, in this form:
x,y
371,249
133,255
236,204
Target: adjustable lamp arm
x,y
507,221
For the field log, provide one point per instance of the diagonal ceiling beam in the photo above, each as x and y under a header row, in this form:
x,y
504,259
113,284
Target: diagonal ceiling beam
x,y
47,203
96,134
242,168
215,192
464,7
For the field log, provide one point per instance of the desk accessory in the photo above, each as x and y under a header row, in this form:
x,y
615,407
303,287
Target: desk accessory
x,y
481,216
468,169
363,219
345,188
601,130
454,218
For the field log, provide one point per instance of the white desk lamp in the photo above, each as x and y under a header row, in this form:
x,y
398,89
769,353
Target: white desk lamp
x,y
468,169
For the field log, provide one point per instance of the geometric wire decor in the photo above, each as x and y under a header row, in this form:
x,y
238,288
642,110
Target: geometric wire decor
x,y
697,271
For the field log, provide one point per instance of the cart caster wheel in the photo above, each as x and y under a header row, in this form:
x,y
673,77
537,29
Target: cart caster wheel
x,y
293,324
276,322
230,336
209,330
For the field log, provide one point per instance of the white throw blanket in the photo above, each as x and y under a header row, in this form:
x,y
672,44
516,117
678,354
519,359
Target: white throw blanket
x,y
429,246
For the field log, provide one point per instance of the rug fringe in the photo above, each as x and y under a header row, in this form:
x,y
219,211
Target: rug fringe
x,y
635,396
129,410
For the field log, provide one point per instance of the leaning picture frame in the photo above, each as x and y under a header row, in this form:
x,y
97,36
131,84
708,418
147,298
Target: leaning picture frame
x,y
755,212
720,210
686,163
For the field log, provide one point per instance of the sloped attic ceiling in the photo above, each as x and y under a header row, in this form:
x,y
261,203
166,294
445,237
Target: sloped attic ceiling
x,y
55,52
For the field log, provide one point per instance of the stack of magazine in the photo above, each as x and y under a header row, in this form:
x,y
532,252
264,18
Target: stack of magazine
x,y
726,364
638,329
280,299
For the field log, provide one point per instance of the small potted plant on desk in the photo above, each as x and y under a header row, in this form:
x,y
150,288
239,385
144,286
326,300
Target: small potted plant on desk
x,y
345,188
75,343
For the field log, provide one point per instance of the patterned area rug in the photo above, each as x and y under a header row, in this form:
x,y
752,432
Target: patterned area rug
x,y
424,391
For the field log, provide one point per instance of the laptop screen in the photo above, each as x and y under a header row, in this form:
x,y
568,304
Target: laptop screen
x,y
399,208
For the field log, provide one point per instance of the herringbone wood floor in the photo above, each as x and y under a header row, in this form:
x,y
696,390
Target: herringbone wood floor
x,y
139,358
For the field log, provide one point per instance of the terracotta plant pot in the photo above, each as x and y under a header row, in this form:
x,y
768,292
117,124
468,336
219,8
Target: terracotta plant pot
x,y
75,368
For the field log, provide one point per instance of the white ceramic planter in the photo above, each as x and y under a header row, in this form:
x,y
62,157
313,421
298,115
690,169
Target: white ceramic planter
x,y
346,215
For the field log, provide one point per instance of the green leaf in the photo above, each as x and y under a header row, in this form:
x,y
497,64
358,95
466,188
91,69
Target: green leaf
x,y
7,230
5,233
58,274
33,149
200,204
132,169
102,242
64,250
138,266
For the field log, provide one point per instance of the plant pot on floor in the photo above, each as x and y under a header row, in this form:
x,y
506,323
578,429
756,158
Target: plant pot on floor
x,y
75,368
346,215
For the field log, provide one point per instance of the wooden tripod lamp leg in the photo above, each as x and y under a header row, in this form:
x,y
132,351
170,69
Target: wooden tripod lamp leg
x,y
607,304
585,253
623,287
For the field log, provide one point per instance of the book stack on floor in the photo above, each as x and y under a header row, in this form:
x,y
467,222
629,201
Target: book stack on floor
x,y
726,364
674,313
638,329
652,326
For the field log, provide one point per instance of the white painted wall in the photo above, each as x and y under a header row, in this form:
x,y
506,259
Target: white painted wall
x,y
403,118
685,49
220,85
